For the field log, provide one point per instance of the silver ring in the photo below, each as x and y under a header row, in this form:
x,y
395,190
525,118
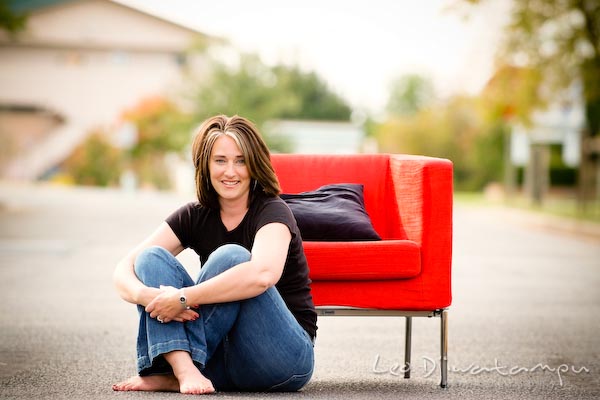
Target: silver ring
x,y
159,319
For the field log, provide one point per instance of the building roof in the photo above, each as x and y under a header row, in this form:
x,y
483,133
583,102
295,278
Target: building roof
x,y
28,6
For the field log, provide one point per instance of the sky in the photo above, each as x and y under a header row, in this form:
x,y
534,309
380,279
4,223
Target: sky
x,y
357,46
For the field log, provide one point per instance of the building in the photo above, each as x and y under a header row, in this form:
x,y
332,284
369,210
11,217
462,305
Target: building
x,y
561,124
76,66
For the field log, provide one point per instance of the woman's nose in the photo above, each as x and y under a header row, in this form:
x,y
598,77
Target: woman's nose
x,y
230,170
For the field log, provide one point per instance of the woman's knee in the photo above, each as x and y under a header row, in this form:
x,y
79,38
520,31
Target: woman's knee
x,y
150,260
232,252
223,258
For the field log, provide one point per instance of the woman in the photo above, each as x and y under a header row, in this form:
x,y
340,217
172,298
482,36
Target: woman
x,y
248,323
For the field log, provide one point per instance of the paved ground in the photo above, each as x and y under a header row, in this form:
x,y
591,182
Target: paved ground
x,y
524,322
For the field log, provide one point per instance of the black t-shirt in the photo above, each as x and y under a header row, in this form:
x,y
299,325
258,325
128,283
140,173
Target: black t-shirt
x,y
202,230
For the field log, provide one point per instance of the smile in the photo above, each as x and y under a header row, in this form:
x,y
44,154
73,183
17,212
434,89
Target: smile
x,y
230,183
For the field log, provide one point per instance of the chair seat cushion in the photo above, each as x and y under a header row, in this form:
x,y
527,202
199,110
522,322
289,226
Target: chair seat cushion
x,y
379,260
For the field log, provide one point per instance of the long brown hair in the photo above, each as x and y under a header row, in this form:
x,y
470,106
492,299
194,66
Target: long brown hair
x,y
254,149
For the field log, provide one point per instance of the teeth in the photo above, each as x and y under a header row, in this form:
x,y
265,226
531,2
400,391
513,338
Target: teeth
x,y
230,183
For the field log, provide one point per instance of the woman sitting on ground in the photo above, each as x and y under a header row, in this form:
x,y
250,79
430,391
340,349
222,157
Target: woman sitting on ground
x,y
248,322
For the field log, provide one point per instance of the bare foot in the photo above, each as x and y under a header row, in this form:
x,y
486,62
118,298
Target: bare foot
x,y
152,383
193,382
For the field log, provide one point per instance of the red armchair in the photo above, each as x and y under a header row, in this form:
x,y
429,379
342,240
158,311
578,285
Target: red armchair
x,y
408,272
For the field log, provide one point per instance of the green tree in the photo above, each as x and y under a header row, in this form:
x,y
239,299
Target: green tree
x,y
314,99
511,94
560,39
409,94
260,92
11,21
248,89
456,130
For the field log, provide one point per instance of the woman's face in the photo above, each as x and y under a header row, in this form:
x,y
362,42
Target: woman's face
x,y
228,171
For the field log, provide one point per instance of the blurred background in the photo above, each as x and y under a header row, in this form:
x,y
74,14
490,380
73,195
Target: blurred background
x,y
108,92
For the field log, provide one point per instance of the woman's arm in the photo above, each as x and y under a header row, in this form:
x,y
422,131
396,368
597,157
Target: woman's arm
x,y
243,281
129,287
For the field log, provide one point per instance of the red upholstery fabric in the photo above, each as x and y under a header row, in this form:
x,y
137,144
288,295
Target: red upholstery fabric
x,y
409,201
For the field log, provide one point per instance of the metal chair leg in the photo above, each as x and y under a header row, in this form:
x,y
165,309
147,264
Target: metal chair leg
x,y
407,347
444,348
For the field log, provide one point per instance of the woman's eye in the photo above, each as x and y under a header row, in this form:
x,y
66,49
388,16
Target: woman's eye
x,y
241,162
220,161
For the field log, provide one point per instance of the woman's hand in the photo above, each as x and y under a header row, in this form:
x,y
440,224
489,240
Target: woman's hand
x,y
168,307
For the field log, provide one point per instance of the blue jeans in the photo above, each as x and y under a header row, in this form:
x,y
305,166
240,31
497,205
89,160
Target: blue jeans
x,y
249,345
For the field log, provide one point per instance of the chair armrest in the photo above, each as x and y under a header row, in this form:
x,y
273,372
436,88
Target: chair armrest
x,y
423,188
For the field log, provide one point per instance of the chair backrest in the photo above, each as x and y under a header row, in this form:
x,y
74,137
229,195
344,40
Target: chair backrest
x,y
305,172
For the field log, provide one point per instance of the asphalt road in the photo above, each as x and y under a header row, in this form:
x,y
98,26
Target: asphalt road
x,y
523,324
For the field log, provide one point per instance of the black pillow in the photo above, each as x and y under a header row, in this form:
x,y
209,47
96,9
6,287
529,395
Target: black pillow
x,y
332,213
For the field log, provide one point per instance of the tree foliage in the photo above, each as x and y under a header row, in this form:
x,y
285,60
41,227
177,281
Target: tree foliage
x,y
246,90
11,21
95,162
409,94
560,39
459,130
260,93
314,99
159,128
511,94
